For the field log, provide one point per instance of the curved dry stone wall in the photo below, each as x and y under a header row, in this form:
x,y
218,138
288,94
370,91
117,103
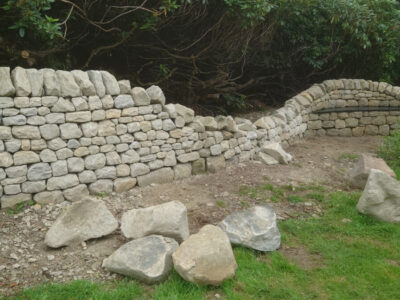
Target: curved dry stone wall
x,y
64,134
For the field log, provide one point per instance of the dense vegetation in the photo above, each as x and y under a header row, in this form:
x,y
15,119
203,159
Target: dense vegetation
x,y
210,53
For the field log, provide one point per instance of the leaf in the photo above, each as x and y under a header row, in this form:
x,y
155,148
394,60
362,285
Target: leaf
x,y
21,32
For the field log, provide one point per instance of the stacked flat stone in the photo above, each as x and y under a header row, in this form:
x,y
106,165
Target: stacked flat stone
x,y
64,134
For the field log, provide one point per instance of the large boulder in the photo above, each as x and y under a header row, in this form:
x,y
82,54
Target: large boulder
x,y
275,150
381,197
148,259
254,228
205,257
359,174
83,220
168,219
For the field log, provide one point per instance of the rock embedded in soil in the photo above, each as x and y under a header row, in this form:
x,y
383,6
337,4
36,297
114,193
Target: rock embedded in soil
x,y
359,174
168,219
254,228
381,197
83,220
205,257
147,259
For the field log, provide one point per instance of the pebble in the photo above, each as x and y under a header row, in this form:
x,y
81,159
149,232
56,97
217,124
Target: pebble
x,y
346,220
51,257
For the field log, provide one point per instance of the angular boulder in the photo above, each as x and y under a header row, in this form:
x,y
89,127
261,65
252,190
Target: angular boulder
x,y
21,82
205,257
359,174
82,80
266,159
254,228
110,83
147,259
156,95
381,197
168,219
36,81
68,86
97,79
6,86
50,82
275,150
83,220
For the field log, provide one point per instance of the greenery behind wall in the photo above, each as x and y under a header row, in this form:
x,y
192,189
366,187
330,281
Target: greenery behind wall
x,y
217,55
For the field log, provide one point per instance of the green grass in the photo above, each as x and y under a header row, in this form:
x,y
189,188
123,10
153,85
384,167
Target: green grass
x,y
221,203
355,260
349,156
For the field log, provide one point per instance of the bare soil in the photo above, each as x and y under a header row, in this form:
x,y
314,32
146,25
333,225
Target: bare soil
x,y
26,261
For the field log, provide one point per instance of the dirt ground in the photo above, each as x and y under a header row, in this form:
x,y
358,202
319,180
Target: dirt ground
x,y
26,261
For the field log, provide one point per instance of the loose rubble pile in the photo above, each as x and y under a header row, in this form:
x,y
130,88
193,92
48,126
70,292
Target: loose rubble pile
x,y
202,258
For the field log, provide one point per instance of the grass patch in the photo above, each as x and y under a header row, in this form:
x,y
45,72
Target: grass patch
x,y
221,203
349,157
296,198
358,260
390,150
83,289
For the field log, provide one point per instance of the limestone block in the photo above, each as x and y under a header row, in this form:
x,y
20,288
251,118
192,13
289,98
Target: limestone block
x,y
68,86
21,82
6,86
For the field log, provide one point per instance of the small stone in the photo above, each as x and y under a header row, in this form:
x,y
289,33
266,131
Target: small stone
x,y
123,101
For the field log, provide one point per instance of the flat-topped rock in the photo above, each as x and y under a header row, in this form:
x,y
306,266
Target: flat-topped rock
x,y
168,219
83,220
148,259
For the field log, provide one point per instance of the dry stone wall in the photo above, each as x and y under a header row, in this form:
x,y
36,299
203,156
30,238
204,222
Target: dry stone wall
x,y
64,134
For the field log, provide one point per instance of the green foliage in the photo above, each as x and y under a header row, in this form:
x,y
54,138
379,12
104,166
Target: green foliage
x,y
19,207
336,32
390,150
251,12
31,16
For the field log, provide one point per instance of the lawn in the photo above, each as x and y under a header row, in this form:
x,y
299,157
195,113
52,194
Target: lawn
x,y
344,255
